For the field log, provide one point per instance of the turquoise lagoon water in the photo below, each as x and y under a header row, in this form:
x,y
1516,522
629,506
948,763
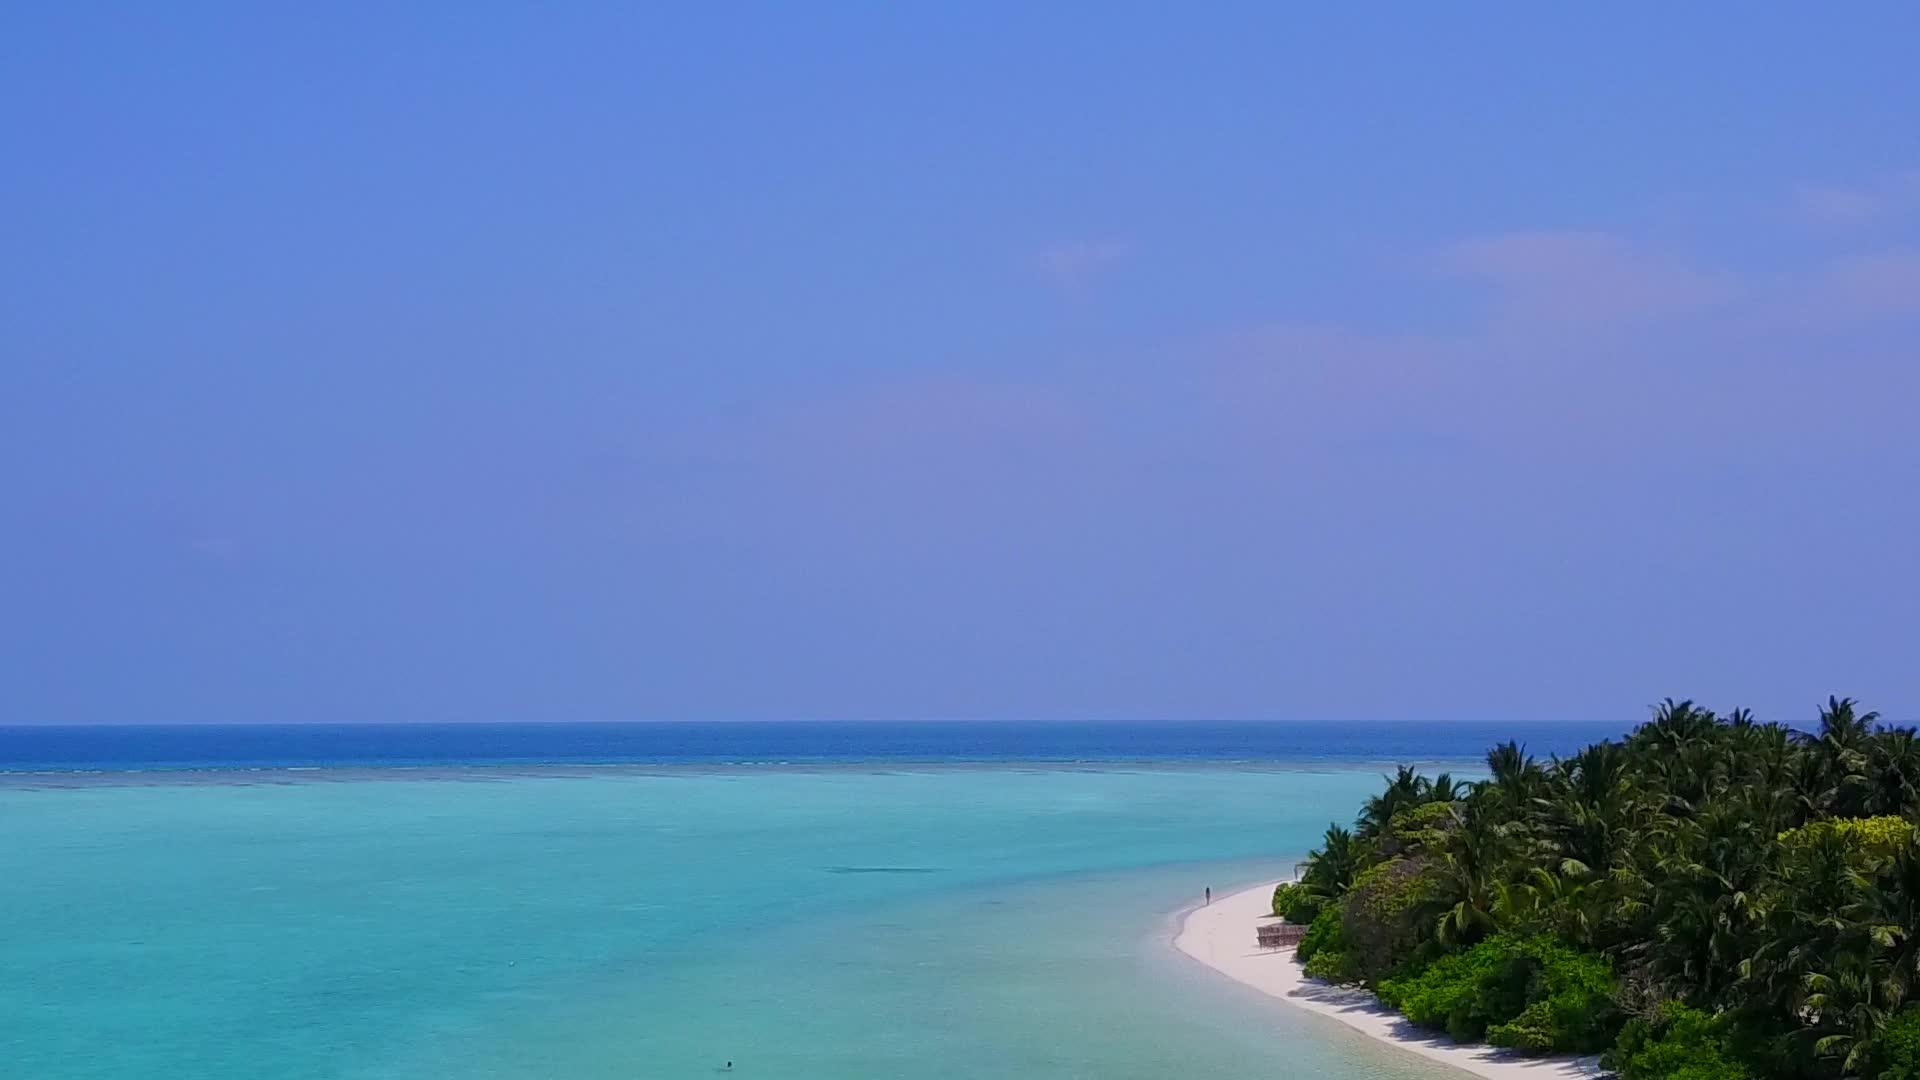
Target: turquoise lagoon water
x,y
838,923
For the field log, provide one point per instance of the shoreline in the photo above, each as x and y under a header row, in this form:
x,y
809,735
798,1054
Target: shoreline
x,y
1220,935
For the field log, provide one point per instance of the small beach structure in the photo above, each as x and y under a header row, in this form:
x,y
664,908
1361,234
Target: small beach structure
x,y
1278,934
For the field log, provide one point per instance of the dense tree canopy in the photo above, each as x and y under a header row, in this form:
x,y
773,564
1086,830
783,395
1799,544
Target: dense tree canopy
x,y
1711,897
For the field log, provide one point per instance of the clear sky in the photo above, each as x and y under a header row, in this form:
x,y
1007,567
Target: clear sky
x,y
518,362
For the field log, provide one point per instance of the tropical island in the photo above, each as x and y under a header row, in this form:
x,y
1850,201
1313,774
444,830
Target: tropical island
x,y
1710,898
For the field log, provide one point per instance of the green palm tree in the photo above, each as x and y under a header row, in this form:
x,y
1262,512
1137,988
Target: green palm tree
x,y
1893,773
1406,789
1593,809
1680,746
1842,746
1546,902
1330,868
1467,882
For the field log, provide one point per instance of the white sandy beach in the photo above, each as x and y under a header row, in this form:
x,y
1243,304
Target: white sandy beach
x,y
1220,935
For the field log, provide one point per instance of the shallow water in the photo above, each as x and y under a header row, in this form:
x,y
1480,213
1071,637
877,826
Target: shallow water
x,y
831,923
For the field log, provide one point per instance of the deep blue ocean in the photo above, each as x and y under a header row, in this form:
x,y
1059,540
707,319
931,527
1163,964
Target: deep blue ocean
x,y
264,746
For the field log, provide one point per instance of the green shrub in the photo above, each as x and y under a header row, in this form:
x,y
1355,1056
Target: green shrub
x,y
1534,1031
1682,1043
1331,965
1570,1002
1446,994
1532,994
1323,949
1297,903
1391,887
1420,829
1325,933
1869,843
1896,1052
1385,916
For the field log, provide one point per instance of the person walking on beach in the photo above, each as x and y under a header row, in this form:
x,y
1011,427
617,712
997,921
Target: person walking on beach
x,y
1209,894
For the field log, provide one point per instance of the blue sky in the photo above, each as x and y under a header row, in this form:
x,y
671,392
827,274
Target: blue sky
x,y
486,362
